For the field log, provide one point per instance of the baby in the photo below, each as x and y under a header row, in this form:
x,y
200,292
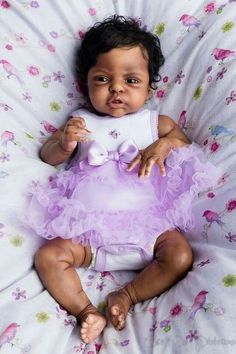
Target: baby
x,y
100,212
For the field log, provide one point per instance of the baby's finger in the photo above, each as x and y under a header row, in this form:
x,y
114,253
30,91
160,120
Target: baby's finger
x,y
161,166
83,139
83,131
78,120
142,167
134,163
148,167
77,127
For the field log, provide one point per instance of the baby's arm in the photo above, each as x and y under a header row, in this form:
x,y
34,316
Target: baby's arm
x,y
168,128
170,136
60,146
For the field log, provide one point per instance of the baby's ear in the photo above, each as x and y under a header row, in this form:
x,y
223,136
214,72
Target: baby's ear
x,y
149,94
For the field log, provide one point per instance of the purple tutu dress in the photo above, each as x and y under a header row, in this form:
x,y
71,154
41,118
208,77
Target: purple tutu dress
x,y
96,202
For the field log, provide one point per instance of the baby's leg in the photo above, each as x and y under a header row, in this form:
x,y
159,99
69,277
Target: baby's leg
x,y
172,260
55,263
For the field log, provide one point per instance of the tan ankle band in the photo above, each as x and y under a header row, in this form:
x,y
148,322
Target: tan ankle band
x,y
129,290
85,312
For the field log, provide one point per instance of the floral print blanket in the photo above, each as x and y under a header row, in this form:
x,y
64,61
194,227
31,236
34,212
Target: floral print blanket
x,y
38,90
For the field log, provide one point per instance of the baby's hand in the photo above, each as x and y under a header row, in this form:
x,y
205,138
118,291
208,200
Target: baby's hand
x,y
155,153
75,131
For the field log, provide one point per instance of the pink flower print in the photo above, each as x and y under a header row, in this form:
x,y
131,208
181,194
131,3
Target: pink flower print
x,y
231,205
179,77
210,195
33,70
8,47
165,79
230,237
81,34
58,76
210,7
114,133
18,294
98,347
209,78
92,11
51,48
5,4
214,146
152,310
160,94
192,336
176,310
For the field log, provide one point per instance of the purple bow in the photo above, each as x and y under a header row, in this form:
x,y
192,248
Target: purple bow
x,y
98,154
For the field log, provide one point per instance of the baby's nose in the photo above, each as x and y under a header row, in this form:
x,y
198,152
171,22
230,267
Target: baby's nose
x,y
116,87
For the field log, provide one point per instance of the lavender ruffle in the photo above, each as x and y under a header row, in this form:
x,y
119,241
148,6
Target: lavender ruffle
x,y
107,205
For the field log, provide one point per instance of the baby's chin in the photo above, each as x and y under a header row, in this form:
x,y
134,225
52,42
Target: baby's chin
x,y
116,113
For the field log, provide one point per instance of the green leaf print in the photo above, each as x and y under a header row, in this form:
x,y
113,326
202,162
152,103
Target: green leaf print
x,y
227,26
42,317
17,240
229,280
160,28
197,93
55,106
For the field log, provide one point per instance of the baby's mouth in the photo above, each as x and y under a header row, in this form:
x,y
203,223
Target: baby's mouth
x,y
115,101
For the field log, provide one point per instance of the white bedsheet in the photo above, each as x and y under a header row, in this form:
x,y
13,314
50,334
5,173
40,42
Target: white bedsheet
x,y
38,41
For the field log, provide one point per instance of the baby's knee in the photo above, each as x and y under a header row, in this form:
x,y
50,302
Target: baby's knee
x,y
183,259
174,252
48,256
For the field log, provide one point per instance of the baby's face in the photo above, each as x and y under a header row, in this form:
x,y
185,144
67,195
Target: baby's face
x,y
118,84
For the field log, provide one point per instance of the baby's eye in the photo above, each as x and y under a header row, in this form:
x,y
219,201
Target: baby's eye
x,y
102,79
132,81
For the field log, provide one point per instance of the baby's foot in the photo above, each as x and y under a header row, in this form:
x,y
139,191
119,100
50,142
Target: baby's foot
x,y
92,323
118,306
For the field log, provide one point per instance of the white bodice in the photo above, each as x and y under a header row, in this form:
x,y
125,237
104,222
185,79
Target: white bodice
x,y
141,127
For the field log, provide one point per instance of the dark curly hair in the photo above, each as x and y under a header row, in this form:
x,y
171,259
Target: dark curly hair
x,y
116,32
